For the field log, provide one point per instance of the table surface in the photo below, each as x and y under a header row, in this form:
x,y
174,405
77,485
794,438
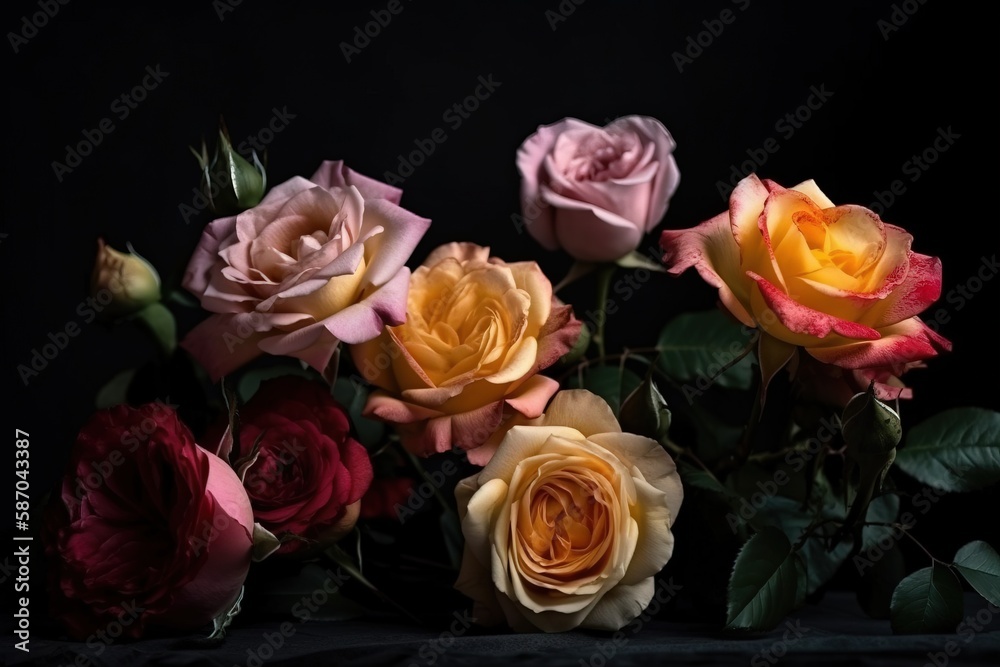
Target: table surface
x,y
835,632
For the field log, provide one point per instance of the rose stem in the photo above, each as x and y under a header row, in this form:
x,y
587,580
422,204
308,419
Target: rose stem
x,y
603,286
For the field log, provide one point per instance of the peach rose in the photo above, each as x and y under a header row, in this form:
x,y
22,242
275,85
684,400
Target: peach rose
x,y
595,191
317,262
835,281
478,331
569,522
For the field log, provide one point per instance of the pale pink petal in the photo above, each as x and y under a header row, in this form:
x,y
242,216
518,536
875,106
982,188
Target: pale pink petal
x,y
668,176
590,233
390,250
532,396
217,345
471,429
391,409
279,193
199,269
530,162
333,173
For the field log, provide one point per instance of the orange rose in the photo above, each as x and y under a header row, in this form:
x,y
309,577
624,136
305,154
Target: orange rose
x,y
478,330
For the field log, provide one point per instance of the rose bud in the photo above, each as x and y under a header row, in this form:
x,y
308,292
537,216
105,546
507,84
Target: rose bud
x,y
229,181
130,278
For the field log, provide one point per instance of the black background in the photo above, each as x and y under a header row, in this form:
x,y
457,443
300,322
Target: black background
x,y
892,91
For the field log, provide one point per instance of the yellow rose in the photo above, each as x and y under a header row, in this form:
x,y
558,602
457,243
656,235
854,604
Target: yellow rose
x,y
477,332
569,522
834,281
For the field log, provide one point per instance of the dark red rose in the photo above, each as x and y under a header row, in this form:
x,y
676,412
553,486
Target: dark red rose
x,y
310,474
150,530
383,496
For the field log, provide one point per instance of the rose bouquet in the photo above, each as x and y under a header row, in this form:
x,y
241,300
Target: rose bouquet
x,y
340,386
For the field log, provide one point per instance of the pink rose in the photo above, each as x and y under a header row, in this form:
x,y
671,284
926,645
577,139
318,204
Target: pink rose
x,y
316,262
150,529
596,191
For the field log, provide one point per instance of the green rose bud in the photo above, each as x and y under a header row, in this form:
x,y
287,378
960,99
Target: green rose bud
x,y
229,181
131,280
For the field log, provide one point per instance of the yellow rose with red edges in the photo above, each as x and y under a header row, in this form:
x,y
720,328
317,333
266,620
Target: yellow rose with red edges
x,y
835,281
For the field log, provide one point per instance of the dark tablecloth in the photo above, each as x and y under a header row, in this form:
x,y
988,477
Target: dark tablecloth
x,y
835,632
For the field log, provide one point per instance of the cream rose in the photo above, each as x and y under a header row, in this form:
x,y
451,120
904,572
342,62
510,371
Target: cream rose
x,y
569,522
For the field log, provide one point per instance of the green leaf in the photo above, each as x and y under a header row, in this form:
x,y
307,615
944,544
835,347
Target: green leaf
x,y
694,347
979,563
763,588
645,411
789,516
353,397
115,391
928,601
609,382
955,450
883,509
824,506
636,260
